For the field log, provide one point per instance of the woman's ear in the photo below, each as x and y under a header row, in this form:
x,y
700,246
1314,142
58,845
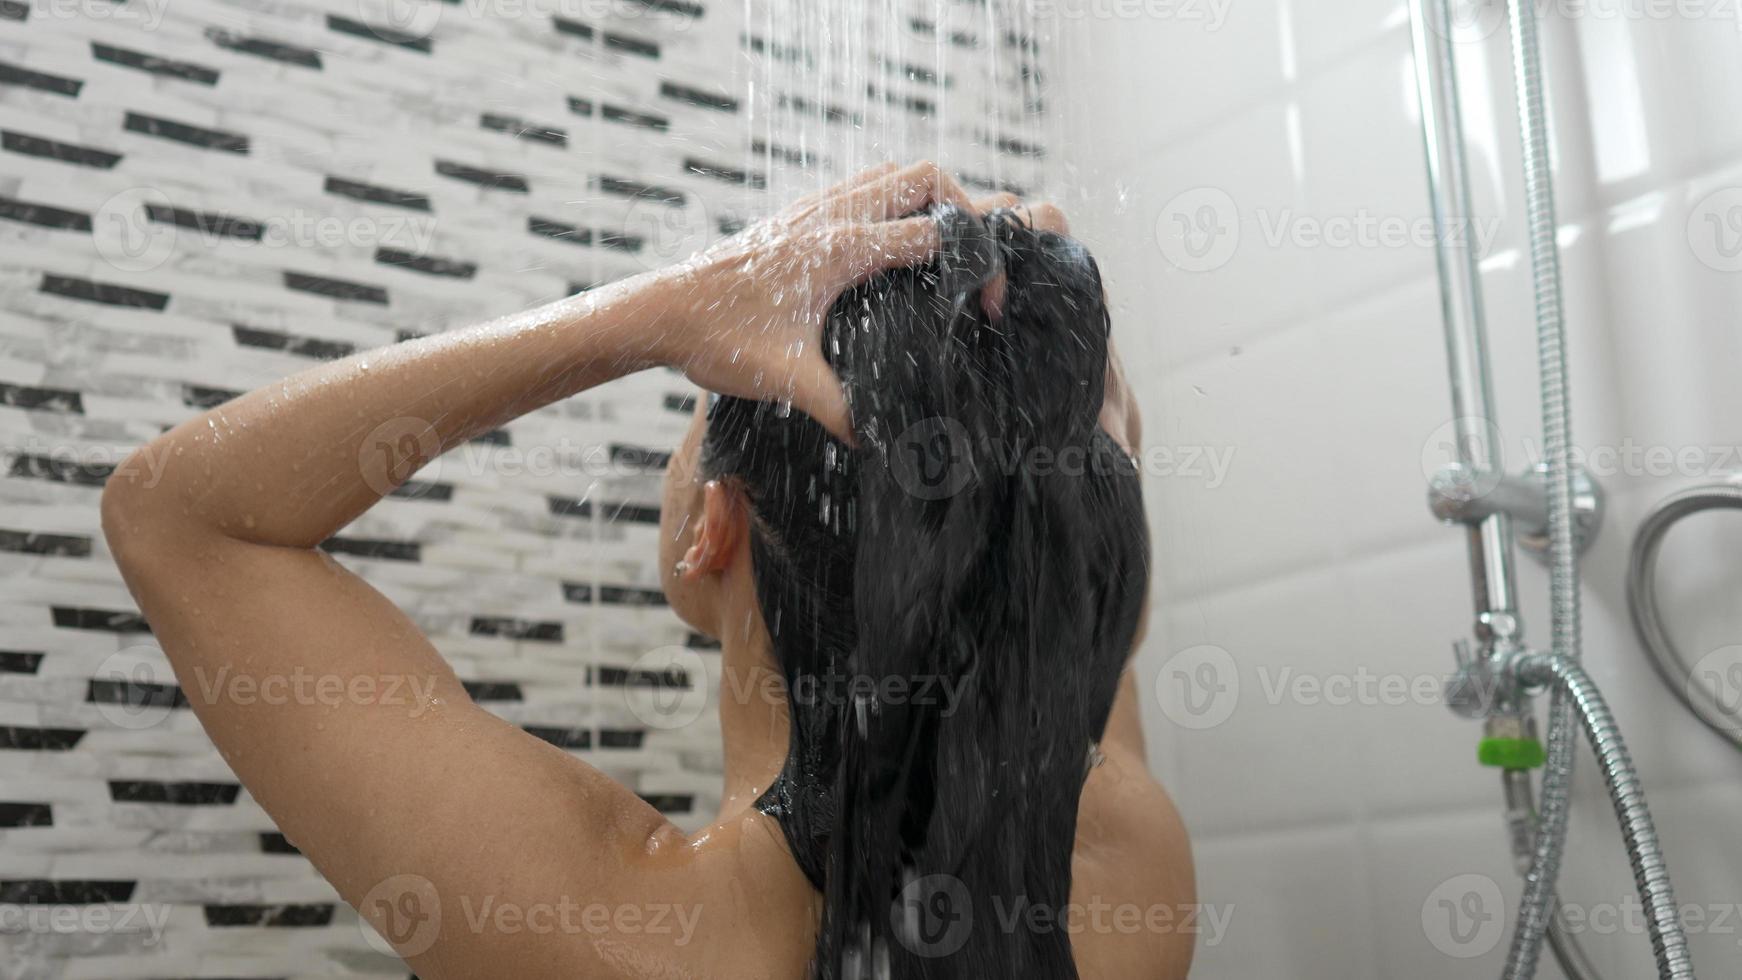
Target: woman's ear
x,y
720,531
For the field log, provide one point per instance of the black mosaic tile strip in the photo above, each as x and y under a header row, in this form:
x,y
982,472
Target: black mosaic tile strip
x,y
493,691
187,71
209,224
801,158
108,294
424,490
580,106
311,347
14,815
569,507
58,469
65,891
573,28
524,130
632,117
581,592
374,194
639,457
624,595
13,10
624,187
380,35
174,793
510,628
203,397
563,738
37,146
493,180
699,641
621,241
670,802
684,404
1020,148
572,234
101,620
640,47
58,545
356,292
296,916
20,661
494,437
684,7
44,215
11,74
261,47
273,842
429,265
373,548
625,512
729,175
180,132
138,695
698,97
621,738
671,677
24,738
42,398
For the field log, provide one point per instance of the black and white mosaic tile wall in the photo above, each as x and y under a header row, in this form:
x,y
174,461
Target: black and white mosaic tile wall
x,y
198,197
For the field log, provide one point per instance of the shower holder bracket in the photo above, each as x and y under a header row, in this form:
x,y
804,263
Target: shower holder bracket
x,y
1460,494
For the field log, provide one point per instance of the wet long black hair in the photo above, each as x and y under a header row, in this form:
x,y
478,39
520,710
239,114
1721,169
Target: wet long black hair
x,y
951,604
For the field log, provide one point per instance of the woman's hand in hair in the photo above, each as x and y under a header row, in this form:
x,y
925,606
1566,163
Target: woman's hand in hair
x,y
746,316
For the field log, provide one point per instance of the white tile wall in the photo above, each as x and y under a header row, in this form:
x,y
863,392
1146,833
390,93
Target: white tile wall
x,y
1336,830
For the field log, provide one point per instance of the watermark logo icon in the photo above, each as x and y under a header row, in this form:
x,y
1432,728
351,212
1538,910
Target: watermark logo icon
x,y
1463,916
1714,230
125,234
664,231
1471,437
401,916
933,916
1198,687
929,459
1719,675
132,689
395,450
1199,229
668,687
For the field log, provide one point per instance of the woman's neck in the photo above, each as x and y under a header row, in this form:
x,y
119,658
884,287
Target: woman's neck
x,y
753,718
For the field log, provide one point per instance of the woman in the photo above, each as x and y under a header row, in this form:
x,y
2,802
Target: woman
x,y
1002,824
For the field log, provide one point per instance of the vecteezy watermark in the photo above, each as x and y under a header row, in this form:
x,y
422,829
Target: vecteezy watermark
x,y
1477,20
567,917
1627,459
140,228
402,916
145,920
934,916
134,689
1200,686
1211,14
144,14
931,460
1201,229
395,450
1464,916
1715,229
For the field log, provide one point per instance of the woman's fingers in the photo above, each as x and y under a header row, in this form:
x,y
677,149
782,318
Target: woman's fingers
x,y
898,193
809,201
817,392
861,251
